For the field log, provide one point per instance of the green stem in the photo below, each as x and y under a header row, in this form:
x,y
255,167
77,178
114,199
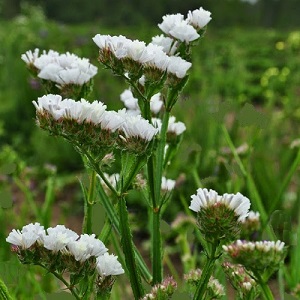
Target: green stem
x,y
156,247
4,294
58,276
265,288
88,205
206,274
127,245
109,208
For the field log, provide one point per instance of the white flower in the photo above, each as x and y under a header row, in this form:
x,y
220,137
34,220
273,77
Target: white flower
x,y
45,59
167,184
156,103
129,100
58,237
86,246
27,236
169,45
108,264
169,22
236,202
178,66
198,17
136,126
176,127
112,120
118,45
29,57
184,32
24,240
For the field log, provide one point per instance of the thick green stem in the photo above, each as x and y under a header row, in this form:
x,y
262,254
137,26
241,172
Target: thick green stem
x,y
128,249
265,288
155,172
156,248
88,205
206,274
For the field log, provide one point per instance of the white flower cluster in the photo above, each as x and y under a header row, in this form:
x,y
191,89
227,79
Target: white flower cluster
x,y
95,113
150,56
185,30
174,127
66,241
131,103
262,246
62,69
236,202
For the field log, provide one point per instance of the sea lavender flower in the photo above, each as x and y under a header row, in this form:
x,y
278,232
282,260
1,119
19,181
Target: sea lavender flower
x,y
108,264
257,256
58,238
198,18
25,238
67,71
169,22
167,184
169,45
184,32
219,216
178,66
85,247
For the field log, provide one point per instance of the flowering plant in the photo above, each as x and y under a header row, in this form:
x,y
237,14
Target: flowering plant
x,y
142,139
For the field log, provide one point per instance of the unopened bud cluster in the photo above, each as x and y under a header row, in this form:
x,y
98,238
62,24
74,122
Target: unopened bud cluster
x,y
61,249
241,280
214,290
162,291
91,127
257,256
219,216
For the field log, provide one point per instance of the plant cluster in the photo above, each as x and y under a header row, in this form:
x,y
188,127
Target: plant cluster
x,y
140,142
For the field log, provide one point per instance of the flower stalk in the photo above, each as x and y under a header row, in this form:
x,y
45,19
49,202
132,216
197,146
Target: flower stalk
x,y
127,244
206,272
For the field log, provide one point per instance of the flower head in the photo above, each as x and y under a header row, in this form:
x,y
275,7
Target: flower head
x,y
67,71
59,237
108,264
198,18
86,246
27,236
257,256
219,217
